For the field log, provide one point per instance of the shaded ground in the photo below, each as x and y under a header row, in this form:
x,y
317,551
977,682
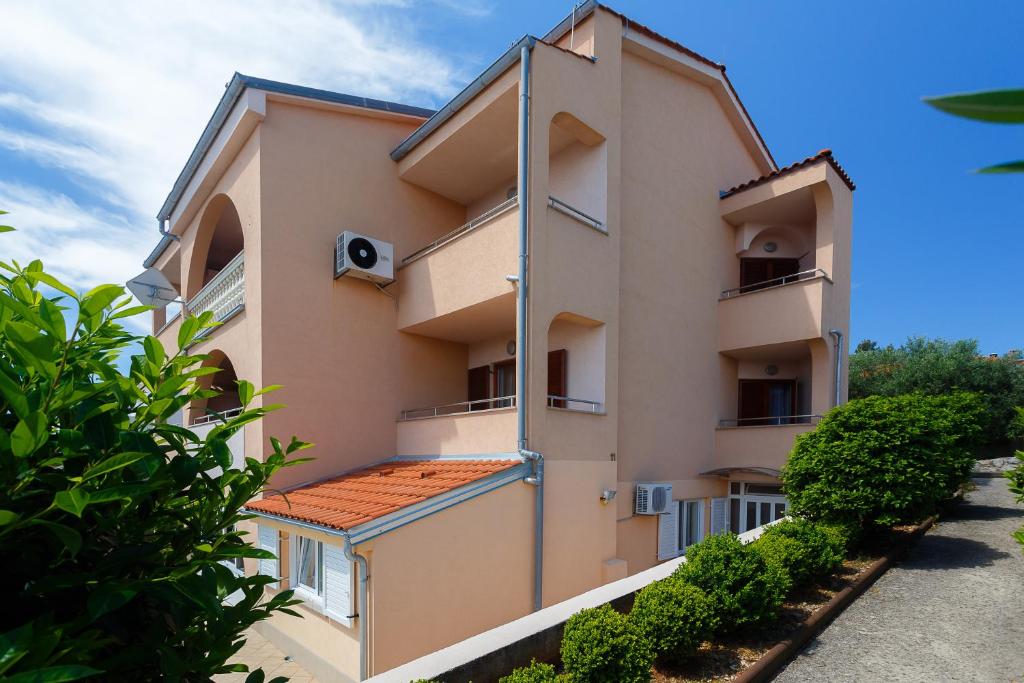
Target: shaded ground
x,y
952,610
259,652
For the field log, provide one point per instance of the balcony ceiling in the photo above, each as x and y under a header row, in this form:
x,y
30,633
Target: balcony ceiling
x,y
485,320
773,353
793,208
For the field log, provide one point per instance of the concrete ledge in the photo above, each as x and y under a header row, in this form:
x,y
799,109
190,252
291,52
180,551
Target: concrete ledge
x,y
772,661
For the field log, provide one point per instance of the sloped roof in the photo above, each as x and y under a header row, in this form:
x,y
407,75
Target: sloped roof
x,y
823,155
352,499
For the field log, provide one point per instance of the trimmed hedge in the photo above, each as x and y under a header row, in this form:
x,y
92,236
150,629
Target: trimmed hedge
x,y
600,645
674,616
806,550
536,672
743,588
884,460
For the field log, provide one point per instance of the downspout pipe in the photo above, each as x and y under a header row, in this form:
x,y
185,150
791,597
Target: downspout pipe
x,y
161,225
536,477
838,336
364,606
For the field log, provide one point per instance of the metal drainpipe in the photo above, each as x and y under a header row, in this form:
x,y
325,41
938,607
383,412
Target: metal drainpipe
x,y
838,334
161,225
364,606
537,476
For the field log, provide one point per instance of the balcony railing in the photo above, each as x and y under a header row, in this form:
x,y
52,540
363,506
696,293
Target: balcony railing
x,y
224,294
444,239
580,405
770,421
214,416
461,407
775,282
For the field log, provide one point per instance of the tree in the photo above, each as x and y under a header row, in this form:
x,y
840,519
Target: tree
x,y
936,367
991,106
114,524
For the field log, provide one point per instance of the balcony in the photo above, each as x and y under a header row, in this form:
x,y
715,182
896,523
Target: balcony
x,y
466,428
787,309
455,288
759,445
224,295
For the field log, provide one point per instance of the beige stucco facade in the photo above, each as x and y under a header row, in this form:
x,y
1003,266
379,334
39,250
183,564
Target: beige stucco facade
x,y
635,275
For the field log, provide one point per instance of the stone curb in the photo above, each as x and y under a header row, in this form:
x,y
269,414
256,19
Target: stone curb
x,y
772,661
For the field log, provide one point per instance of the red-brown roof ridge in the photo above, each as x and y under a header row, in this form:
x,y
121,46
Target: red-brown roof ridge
x,y
822,155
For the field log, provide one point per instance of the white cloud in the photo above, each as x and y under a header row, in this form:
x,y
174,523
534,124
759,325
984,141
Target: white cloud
x,y
113,95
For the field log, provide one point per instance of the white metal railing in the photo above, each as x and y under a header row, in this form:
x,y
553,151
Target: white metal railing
x,y
460,407
444,239
775,282
572,212
214,416
578,404
224,294
770,421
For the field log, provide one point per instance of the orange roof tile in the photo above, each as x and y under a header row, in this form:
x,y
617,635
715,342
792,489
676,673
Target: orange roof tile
x,y
825,154
352,499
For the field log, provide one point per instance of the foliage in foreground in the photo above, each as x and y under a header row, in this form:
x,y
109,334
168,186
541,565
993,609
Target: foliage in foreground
x,y
1016,477
884,461
991,106
600,645
937,367
114,524
806,551
536,672
743,588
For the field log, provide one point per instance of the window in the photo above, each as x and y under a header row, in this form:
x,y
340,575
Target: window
x,y
691,523
235,564
753,505
307,568
767,402
758,273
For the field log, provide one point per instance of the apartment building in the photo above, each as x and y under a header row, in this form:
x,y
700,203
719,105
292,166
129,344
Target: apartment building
x,y
542,338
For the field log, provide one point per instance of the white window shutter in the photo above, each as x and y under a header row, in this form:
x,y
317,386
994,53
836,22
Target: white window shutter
x,y
268,540
337,585
719,515
668,532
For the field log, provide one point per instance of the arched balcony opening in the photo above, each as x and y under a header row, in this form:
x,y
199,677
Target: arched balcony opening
x,y
215,280
225,381
576,364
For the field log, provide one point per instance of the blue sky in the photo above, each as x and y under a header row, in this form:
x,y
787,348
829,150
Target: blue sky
x,y
100,106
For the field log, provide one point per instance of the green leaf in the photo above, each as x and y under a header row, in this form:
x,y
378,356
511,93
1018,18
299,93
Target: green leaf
x,y
71,539
30,434
98,298
270,387
8,517
257,676
1008,167
14,645
112,463
14,394
6,228
154,350
50,280
107,598
54,674
53,318
245,391
993,106
204,548
129,312
187,331
72,500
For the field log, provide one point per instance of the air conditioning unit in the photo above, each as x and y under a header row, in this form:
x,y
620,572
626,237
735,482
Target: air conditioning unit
x,y
360,256
653,499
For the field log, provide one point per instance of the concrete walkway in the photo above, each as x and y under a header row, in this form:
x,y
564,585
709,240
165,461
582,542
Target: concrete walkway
x,y
260,653
952,610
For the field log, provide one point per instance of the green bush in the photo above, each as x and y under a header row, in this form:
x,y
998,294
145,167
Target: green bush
x,y
674,616
883,460
785,555
600,645
743,588
536,672
818,551
114,523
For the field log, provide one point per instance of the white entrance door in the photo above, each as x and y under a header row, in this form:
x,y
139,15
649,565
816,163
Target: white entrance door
x,y
758,510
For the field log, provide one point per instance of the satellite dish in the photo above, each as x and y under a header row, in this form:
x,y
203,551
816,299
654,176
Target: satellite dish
x,y
153,288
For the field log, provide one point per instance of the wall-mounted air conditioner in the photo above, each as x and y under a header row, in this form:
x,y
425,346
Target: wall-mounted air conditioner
x,y
360,256
653,499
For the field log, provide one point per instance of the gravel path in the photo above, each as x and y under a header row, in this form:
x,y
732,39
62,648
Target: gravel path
x,y
952,610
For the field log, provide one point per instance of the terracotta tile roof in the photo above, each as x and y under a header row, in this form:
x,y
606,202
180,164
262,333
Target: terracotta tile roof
x,y
355,498
825,154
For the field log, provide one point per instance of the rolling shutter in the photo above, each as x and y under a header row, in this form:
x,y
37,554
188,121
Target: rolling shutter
x,y
668,532
268,540
337,585
719,515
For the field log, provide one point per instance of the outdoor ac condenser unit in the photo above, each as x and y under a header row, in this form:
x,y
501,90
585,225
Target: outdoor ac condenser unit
x,y
653,499
360,256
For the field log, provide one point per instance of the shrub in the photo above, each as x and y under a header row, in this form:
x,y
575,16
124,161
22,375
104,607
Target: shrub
x,y
882,460
536,672
743,588
600,645
785,555
115,523
674,616
819,550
